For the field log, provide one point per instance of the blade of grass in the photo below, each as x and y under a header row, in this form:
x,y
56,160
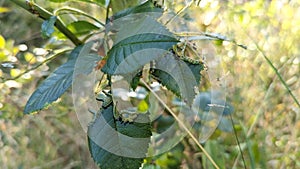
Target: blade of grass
x,y
237,140
250,151
277,72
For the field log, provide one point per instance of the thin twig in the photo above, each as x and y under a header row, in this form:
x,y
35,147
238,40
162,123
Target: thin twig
x,y
208,36
42,13
181,124
107,13
198,3
40,64
179,12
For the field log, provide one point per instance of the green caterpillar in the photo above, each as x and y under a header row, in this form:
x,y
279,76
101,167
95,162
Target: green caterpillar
x,y
190,60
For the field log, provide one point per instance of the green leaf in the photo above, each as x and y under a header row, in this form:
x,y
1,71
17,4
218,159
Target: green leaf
x,y
145,7
178,76
54,86
156,43
164,123
195,68
135,80
86,60
119,145
118,5
137,43
99,2
59,1
78,28
137,24
48,27
151,166
216,150
172,158
81,27
167,80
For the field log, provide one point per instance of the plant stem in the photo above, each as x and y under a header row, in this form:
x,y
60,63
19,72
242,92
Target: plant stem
x,y
179,12
74,10
238,142
45,15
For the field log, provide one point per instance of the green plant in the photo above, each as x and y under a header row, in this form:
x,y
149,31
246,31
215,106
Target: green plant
x,y
129,48
262,83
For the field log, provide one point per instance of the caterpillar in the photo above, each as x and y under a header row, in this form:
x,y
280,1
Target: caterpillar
x,y
190,60
182,50
179,51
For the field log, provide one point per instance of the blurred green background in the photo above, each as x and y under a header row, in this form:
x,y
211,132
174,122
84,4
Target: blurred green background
x,y
265,116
